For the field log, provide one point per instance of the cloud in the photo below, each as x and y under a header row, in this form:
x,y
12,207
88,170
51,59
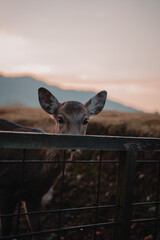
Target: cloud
x,y
31,68
13,48
18,56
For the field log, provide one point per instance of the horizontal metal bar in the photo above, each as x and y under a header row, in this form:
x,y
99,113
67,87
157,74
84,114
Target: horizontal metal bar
x,y
147,161
47,161
60,210
145,220
146,203
57,141
73,228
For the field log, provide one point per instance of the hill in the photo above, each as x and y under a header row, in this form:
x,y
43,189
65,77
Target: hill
x,y
23,91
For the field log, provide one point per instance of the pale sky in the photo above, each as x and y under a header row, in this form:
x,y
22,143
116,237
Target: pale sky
x,y
88,44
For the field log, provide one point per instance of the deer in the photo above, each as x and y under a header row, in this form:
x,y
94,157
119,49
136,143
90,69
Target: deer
x,y
71,117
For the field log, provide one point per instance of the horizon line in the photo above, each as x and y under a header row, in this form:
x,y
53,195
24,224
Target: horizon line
x,y
94,90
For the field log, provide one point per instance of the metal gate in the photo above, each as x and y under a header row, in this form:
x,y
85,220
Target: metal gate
x,y
127,149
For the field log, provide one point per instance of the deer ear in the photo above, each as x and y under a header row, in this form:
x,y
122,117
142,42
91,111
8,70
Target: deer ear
x,y
47,101
96,103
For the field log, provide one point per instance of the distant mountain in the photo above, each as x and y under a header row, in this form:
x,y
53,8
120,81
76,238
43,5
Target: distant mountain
x,y
23,91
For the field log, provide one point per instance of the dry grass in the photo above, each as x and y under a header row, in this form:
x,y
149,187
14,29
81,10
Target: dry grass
x,y
127,124
27,116
106,123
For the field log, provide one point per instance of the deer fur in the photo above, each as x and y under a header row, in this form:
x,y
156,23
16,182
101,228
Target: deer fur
x,y
71,118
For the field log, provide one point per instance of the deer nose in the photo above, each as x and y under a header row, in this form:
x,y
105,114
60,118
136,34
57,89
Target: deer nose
x,y
73,130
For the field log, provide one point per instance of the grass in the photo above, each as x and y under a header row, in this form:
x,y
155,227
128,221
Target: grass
x,y
106,123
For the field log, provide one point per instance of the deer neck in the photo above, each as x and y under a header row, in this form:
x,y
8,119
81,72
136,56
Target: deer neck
x,y
53,170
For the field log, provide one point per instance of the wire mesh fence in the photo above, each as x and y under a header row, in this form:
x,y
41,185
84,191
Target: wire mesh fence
x,y
97,199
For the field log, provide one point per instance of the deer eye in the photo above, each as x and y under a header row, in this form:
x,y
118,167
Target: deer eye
x,y
60,120
85,121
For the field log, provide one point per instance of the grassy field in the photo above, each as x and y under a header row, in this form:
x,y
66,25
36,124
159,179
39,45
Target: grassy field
x,y
80,185
106,123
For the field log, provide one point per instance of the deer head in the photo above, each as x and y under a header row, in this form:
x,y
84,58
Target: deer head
x,y
71,117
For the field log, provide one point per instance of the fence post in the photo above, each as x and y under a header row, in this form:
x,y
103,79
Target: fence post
x,y
124,194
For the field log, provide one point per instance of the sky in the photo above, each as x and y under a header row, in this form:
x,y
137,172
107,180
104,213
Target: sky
x,y
86,45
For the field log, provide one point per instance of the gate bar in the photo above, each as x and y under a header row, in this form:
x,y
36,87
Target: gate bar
x,y
124,194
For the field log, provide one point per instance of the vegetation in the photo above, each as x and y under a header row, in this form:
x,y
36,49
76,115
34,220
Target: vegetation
x,y
106,123
80,186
